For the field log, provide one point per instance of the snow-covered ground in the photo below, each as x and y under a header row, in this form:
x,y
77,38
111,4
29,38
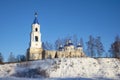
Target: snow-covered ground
x,y
63,69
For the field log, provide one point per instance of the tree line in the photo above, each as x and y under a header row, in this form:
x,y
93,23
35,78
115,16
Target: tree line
x,y
13,58
94,48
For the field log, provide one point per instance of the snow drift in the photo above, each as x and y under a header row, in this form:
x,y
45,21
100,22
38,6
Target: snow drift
x,y
64,68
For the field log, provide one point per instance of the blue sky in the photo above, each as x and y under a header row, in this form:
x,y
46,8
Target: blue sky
x,y
58,18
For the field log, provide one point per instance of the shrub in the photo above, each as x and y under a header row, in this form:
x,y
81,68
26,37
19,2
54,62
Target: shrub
x,y
24,64
31,73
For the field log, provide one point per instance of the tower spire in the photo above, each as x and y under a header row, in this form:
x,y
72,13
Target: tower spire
x,y
36,20
36,14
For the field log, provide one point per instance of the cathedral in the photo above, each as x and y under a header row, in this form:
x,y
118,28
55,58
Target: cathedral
x,y
35,50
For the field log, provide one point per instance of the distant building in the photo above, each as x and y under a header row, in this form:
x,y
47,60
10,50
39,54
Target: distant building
x,y
35,50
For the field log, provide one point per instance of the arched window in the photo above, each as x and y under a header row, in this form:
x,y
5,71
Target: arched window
x,y
36,29
36,38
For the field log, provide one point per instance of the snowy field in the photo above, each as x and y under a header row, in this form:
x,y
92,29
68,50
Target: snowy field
x,y
63,69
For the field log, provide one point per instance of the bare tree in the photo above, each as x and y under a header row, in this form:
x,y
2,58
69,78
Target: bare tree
x,y
47,46
75,39
21,58
115,47
11,58
99,46
81,42
44,45
65,39
61,41
91,46
1,58
58,42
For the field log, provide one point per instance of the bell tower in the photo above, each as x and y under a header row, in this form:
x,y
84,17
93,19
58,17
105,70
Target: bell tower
x,y
34,51
35,34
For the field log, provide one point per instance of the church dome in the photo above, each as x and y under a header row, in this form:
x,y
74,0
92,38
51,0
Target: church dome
x,y
36,20
79,45
61,48
69,43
